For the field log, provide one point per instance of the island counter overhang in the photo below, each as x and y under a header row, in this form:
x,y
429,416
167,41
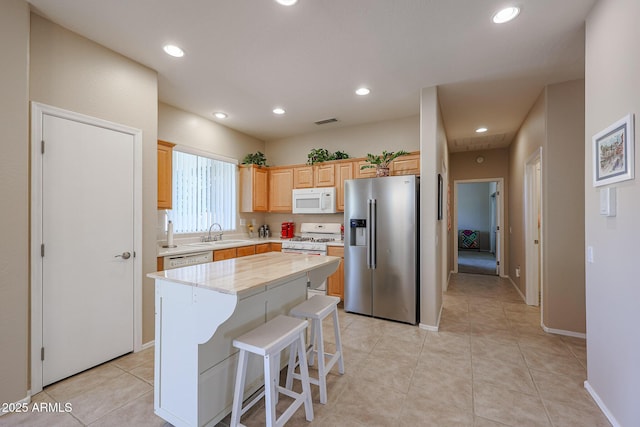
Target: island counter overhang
x,y
200,309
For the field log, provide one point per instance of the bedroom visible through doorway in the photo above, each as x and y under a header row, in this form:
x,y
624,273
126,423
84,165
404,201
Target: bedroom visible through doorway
x,y
478,227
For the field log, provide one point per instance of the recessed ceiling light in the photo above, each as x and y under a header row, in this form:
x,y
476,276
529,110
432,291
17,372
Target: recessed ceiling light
x,y
363,91
220,115
506,15
481,130
174,50
287,2
278,111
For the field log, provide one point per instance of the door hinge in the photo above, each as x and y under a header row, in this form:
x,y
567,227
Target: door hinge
x,y
42,146
41,353
42,250
497,262
535,242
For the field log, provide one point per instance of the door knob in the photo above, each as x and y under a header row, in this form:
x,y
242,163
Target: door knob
x,y
125,255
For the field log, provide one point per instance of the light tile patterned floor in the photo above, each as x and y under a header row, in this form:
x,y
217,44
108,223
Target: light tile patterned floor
x,y
489,365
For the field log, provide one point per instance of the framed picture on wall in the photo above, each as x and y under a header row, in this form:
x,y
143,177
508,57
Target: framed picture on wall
x,y
613,150
440,191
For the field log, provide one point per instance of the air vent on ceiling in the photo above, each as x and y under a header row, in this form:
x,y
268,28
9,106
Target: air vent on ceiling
x,y
324,122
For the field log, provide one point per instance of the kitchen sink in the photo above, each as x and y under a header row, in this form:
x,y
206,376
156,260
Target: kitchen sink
x,y
216,243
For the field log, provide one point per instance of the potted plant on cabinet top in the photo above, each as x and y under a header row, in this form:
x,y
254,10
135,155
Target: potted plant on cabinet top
x,y
257,159
319,155
381,161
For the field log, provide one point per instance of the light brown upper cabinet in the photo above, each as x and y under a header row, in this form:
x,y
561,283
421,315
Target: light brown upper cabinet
x,y
344,171
325,175
280,188
165,154
254,188
363,173
303,177
406,165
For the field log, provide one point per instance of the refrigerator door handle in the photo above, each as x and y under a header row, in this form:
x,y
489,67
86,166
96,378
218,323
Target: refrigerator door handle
x,y
373,225
368,243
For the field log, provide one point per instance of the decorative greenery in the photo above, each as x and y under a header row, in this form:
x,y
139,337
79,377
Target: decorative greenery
x,y
319,155
382,160
339,155
257,158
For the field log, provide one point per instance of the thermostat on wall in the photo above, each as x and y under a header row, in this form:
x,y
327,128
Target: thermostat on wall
x,y
608,201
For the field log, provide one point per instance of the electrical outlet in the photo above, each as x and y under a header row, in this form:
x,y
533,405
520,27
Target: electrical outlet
x,y
518,271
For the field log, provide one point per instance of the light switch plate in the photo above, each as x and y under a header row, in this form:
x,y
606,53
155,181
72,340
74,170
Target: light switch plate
x,y
608,201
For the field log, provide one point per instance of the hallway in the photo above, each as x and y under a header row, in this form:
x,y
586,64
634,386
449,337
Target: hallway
x,y
490,365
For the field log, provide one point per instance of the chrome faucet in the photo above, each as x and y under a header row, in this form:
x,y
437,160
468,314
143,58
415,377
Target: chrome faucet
x,y
214,238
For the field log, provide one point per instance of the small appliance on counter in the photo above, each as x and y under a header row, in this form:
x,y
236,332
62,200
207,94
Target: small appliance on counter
x,y
263,231
287,231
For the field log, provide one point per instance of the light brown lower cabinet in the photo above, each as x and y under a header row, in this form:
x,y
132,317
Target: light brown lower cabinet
x,y
276,247
245,251
222,254
335,282
263,248
238,252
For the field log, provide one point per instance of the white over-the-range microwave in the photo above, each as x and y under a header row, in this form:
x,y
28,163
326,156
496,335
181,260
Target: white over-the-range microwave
x,y
314,200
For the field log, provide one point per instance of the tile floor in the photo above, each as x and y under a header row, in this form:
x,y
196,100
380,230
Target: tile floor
x,y
489,365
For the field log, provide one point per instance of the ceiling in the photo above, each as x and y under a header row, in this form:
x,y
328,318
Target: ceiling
x,y
245,57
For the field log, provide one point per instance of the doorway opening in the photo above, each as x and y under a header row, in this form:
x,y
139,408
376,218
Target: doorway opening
x,y
533,228
478,225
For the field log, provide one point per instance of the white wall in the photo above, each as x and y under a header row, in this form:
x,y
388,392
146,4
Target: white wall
x,y
563,181
433,242
71,72
14,193
188,129
612,285
357,141
474,206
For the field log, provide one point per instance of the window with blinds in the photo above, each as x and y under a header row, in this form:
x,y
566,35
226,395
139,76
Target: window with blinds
x,y
204,192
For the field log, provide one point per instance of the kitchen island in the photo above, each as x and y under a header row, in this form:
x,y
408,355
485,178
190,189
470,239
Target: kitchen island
x,y
201,309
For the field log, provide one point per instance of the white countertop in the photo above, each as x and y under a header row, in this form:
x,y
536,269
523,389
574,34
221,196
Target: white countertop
x,y
238,275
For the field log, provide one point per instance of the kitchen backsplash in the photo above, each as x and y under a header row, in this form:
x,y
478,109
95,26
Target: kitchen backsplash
x,y
273,220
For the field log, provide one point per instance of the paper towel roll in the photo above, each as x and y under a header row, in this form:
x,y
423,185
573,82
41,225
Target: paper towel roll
x,y
170,234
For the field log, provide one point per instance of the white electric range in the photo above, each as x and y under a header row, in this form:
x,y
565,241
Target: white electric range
x,y
313,240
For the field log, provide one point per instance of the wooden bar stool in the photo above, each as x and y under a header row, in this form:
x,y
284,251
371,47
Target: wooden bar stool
x,y
268,341
317,308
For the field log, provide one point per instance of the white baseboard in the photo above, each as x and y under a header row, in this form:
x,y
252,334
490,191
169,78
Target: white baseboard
x,y
148,344
563,332
19,403
601,405
428,327
517,289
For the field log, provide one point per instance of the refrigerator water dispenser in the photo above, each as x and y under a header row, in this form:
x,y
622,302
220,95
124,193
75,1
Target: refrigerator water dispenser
x,y
358,232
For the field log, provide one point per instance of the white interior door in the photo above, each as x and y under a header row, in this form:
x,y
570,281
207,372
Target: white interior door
x,y
87,232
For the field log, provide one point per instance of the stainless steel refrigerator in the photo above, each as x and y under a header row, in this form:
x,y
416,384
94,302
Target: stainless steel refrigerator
x,y
381,269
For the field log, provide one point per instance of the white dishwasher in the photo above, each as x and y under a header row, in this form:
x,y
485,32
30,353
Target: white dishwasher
x,y
184,260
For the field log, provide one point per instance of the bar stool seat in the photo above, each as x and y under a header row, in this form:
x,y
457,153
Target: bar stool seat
x,y
317,308
268,340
